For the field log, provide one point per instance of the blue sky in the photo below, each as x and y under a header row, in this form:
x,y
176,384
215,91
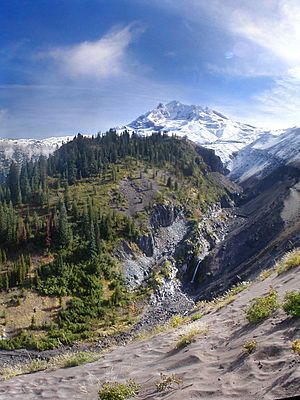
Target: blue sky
x,y
71,66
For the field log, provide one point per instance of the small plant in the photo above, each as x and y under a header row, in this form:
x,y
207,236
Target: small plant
x,y
119,391
228,297
291,304
250,346
290,260
176,321
167,382
188,338
296,346
263,307
196,317
33,322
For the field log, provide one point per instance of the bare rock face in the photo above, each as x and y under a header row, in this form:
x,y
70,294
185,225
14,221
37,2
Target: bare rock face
x,y
167,228
164,215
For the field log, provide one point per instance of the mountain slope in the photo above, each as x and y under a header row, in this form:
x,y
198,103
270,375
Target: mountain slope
x,y
201,125
97,219
267,214
264,155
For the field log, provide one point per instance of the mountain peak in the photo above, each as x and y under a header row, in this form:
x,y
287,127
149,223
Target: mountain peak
x,y
204,126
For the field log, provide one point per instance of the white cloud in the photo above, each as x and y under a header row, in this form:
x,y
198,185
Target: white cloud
x,y
277,29
263,40
103,58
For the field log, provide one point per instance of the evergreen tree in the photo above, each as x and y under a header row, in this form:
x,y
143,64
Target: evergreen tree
x,y
6,282
13,182
169,182
64,233
24,184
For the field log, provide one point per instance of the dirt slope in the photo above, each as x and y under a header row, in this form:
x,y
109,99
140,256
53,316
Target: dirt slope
x,y
213,367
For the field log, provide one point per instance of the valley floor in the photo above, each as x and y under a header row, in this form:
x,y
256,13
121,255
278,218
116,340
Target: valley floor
x,y
215,366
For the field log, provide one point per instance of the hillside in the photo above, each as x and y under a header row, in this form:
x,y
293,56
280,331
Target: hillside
x,y
97,226
214,365
123,237
266,223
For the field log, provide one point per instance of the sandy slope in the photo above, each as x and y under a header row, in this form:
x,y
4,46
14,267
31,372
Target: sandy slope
x,y
214,367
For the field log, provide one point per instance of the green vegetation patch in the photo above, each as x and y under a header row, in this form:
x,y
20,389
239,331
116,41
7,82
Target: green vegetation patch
x,y
291,304
263,307
119,391
82,357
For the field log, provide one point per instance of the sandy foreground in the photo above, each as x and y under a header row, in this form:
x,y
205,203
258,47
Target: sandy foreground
x,y
215,366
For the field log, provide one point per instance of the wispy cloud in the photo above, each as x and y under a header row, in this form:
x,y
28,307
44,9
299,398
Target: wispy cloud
x,y
261,39
273,32
87,87
104,58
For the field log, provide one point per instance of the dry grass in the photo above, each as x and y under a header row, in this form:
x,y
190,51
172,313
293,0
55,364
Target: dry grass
x,y
288,261
174,323
265,274
221,301
22,369
66,360
19,308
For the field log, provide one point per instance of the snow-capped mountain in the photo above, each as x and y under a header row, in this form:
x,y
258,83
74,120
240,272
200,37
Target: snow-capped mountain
x,y
201,125
21,149
264,155
204,126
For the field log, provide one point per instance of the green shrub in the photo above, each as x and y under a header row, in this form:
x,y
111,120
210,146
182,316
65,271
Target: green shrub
x,y
263,307
290,260
119,391
250,346
291,303
195,317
